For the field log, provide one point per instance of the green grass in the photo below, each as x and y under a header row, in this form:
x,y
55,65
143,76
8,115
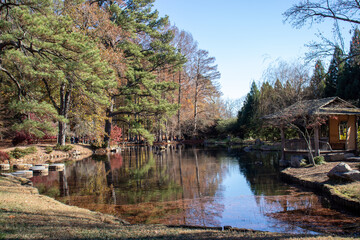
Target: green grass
x,y
64,148
21,152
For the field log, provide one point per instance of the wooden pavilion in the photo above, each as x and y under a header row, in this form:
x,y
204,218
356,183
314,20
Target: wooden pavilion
x,y
333,120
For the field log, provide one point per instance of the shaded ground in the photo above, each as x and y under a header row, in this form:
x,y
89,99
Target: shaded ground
x,y
24,214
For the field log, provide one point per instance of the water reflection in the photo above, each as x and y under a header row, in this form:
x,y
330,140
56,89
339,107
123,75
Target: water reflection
x,y
190,186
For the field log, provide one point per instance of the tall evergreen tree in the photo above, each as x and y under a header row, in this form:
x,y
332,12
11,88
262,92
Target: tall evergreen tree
x,y
47,60
248,115
147,49
317,81
335,68
349,81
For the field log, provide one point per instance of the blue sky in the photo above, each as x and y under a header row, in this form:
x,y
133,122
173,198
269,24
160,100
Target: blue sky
x,y
243,36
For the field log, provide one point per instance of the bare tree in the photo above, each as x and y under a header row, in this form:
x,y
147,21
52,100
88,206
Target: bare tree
x,y
289,80
317,11
205,75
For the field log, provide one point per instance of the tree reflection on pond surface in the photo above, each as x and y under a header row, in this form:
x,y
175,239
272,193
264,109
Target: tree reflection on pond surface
x,y
193,186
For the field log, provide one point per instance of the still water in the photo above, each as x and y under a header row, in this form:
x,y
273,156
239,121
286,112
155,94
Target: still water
x,y
193,186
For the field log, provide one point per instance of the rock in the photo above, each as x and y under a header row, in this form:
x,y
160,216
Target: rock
x,y
353,175
24,174
75,153
296,161
57,167
100,151
22,166
339,169
40,169
247,149
4,166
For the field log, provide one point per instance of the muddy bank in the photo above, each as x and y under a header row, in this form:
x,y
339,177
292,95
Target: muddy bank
x,y
341,194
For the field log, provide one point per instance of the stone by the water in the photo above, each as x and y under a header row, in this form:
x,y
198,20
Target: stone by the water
x,y
57,167
24,174
4,166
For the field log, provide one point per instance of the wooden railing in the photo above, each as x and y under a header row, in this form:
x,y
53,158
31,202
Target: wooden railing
x,y
301,145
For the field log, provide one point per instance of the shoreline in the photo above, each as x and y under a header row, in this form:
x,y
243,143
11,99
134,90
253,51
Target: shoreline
x,y
315,178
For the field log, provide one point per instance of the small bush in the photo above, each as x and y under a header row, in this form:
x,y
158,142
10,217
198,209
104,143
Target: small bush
x,y
319,160
4,156
30,150
64,148
19,153
49,149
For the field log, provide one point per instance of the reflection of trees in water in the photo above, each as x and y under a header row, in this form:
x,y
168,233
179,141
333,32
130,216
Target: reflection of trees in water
x,y
174,185
290,205
261,172
88,185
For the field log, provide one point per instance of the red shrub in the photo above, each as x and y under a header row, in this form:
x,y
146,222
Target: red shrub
x,y
22,137
116,134
3,156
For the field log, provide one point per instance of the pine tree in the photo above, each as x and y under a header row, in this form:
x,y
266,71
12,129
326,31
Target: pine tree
x,y
248,115
147,50
349,81
46,59
317,81
335,69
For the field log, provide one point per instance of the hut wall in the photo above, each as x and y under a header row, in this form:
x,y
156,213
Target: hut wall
x,y
334,139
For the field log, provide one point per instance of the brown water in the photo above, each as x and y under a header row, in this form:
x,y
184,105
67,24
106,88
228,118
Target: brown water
x,y
193,186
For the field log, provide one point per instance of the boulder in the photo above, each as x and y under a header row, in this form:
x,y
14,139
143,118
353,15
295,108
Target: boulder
x,y
296,161
339,170
353,175
247,149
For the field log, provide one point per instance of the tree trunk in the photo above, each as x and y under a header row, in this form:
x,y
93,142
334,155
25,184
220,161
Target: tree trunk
x,y
61,133
108,123
179,110
316,141
196,106
283,140
63,110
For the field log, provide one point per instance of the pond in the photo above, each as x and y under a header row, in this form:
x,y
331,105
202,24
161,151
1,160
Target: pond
x,y
193,186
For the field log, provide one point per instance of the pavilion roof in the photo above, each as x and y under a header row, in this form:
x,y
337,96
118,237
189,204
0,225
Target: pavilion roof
x,y
323,106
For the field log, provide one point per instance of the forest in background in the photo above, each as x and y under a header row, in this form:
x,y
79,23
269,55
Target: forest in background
x,y
104,71
115,71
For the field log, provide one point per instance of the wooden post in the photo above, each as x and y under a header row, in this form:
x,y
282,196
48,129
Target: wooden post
x,y
316,141
282,134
